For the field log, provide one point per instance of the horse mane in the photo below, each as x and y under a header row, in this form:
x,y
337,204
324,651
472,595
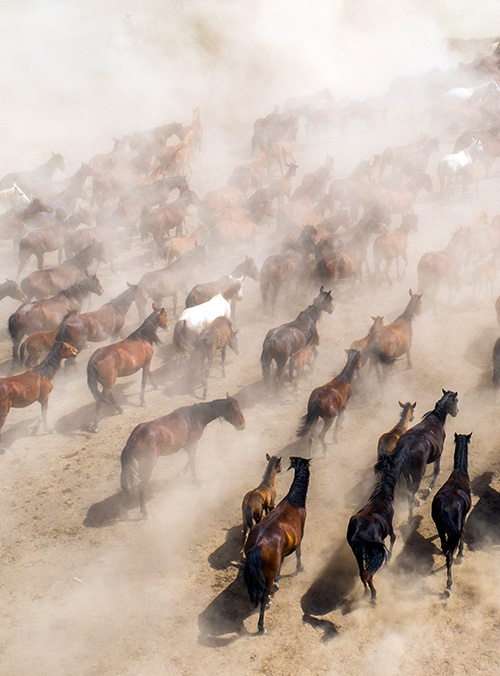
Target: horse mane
x,y
147,330
231,290
296,495
49,365
385,486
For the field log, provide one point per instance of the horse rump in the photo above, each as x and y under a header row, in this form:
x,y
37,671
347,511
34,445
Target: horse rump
x,y
379,355
446,524
370,555
181,340
252,574
129,477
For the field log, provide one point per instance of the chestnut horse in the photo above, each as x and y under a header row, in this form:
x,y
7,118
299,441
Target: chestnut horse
x,y
278,535
306,356
124,359
394,340
37,344
387,442
260,501
423,444
44,315
106,322
369,527
362,343
33,385
329,401
219,335
451,505
392,246
180,429
286,339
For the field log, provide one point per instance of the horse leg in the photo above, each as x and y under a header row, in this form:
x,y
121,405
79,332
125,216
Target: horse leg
x,y
45,405
39,260
174,301
145,373
327,424
311,438
369,580
263,603
449,582
114,402
408,360
437,468
191,451
4,410
338,425
298,553
223,360
388,262
206,373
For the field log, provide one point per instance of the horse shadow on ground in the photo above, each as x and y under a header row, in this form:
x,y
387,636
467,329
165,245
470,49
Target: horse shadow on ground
x,y
417,556
330,591
252,394
230,552
361,491
221,623
479,352
482,529
22,430
116,507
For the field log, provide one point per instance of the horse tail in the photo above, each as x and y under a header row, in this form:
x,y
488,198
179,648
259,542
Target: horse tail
x,y
180,336
403,462
308,420
448,530
14,326
265,360
252,574
248,516
129,476
370,555
22,352
93,379
378,354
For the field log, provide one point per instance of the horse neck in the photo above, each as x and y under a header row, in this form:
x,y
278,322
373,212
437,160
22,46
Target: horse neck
x,y
147,331
123,302
77,291
347,372
209,411
297,493
47,169
404,420
461,459
440,411
83,258
231,293
51,363
239,270
384,490
269,477
409,312
309,315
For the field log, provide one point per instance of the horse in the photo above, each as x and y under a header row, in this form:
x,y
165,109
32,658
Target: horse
x,y
453,164
387,442
362,343
392,246
177,246
260,501
286,339
194,319
423,444
13,223
182,428
38,343
10,198
219,335
397,156
33,385
306,356
203,292
36,181
124,358
451,504
280,269
106,322
12,289
329,401
47,314
167,217
41,284
369,527
278,535
394,340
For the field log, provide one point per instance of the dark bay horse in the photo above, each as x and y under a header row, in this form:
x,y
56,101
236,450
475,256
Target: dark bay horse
x,y
44,315
423,444
286,339
451,505
124,358
260,501
387,441
369,527
182,428
106,322
203,292
329,401
33,385
278,535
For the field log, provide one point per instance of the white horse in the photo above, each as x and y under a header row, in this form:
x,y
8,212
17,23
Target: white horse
x,y
194,319
461,94
453,164
12,198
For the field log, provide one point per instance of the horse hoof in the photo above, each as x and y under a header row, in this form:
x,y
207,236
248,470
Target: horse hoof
x,y
300,569
261,631
145,516
447,593
94,429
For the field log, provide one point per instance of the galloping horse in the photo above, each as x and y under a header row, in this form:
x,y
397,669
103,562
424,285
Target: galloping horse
x,y
387,442
329,401
391,246
423,444
394,340
286,339
219,335
451,505
278,535
33,385
124,358
369,527
436,266
260,501
44,315
180,429
363,343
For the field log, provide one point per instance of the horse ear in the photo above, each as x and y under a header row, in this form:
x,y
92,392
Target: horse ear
x,y
444,391
154,306
413,406
402,405
268,457
228,395
469,436
321,289
374,318
411,292
456,436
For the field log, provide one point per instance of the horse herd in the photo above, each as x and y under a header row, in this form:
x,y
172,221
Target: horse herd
x,y
331,233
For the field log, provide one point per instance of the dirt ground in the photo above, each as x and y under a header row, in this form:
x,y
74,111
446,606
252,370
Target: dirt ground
x,y
89,590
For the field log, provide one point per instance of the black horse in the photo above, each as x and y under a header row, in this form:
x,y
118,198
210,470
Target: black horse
x,y
451,505
286,339
423,444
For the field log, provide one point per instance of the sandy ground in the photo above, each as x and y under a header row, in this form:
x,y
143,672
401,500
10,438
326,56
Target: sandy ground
x,y
88,591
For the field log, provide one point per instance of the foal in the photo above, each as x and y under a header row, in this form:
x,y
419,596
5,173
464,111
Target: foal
x,y
451,505
388,440
306,356
260,501
219,335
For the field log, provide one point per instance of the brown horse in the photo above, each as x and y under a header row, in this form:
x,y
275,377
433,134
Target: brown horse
x,y
44,315
180,429
124,359
394,340
44,283
451,505
306,356
260,501
106,322
13,223
329,402
38,343
369,527
286,339
219,335
202,292
388,440
33,385
278,535
363,343
422,444
12,289
170,216
392,246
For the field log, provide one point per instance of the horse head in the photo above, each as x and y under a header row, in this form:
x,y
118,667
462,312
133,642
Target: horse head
x,y
324,301
234,414
450,401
